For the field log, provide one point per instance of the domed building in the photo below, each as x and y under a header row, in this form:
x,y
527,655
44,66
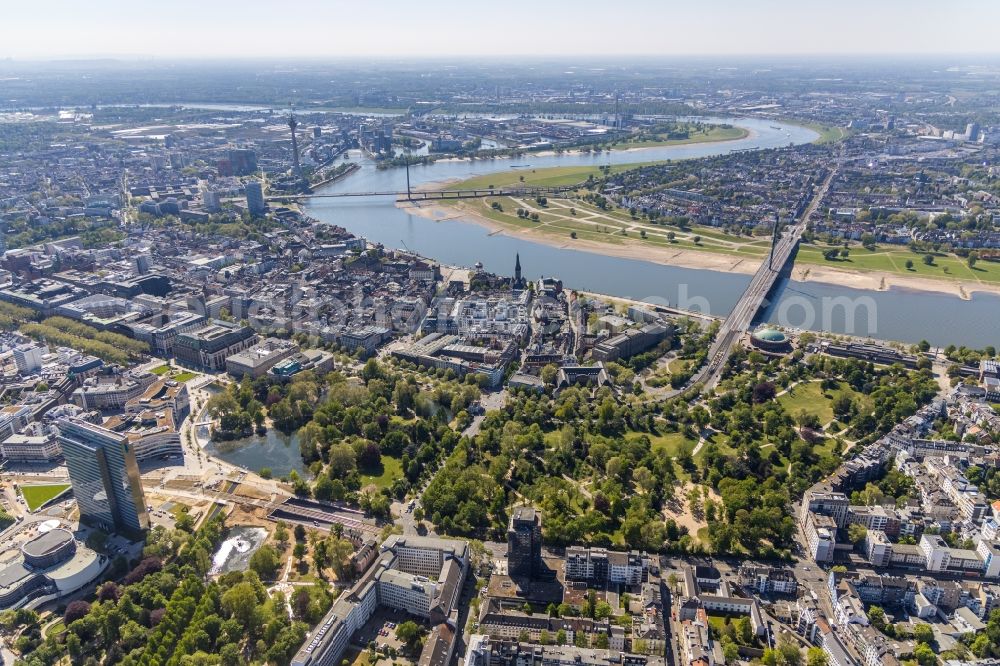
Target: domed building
x,y
771,340
46,565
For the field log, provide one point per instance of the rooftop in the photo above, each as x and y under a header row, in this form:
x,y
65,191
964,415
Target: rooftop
x,y
770,334
47,542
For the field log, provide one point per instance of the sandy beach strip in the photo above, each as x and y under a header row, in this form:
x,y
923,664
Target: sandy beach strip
x,y
687,258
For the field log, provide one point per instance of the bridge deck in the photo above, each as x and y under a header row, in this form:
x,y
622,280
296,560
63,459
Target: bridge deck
x,y
422,195
752,300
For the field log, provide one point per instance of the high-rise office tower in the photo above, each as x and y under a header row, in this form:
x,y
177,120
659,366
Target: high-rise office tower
x,y
297,168
524,543
104,475
255,198
243,161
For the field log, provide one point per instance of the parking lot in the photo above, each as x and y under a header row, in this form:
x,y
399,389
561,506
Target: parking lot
x,y
381,630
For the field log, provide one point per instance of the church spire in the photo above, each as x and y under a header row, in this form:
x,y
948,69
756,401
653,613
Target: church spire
x,y
517,270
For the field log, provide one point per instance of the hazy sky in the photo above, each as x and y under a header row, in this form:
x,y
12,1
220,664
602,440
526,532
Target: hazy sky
x,y
324,28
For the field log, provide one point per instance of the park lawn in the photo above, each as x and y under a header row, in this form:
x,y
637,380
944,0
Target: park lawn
x,y
392,469
715,234
184,376
592,223
558,221
892,259
547,177
721,442
809,397
828,447
55,628
507,216
830,134
678,365
671,443
161,370
827,133
178,510
37,495
608,237
714,133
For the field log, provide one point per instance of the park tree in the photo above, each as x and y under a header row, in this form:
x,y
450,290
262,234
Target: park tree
x,y
281,533
265,562
75,610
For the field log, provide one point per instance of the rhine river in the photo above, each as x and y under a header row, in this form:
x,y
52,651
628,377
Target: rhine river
x,y
897,314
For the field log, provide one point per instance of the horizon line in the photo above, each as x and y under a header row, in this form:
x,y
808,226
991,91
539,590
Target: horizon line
x,y
7,59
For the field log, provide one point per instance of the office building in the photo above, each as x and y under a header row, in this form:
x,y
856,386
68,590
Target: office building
x,y
208,347
422,576
524,543
31,448
631,342
28,357
143,263
14,419
255,198
256,361
209,199
243,161
104,475
112,392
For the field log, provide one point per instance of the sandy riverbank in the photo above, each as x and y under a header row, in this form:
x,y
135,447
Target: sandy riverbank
x,y
687,258
684,258
881,281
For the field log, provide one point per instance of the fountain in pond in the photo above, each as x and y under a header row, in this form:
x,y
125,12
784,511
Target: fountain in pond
x,y
234,553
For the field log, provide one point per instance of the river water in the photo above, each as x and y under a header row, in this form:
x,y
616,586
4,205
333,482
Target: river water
x,y
896,314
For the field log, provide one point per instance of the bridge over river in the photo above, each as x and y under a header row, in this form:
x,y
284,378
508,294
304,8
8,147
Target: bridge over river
x,y
754,299
434,195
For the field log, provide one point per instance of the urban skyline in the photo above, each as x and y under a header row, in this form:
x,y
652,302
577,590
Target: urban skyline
x,y
316,353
